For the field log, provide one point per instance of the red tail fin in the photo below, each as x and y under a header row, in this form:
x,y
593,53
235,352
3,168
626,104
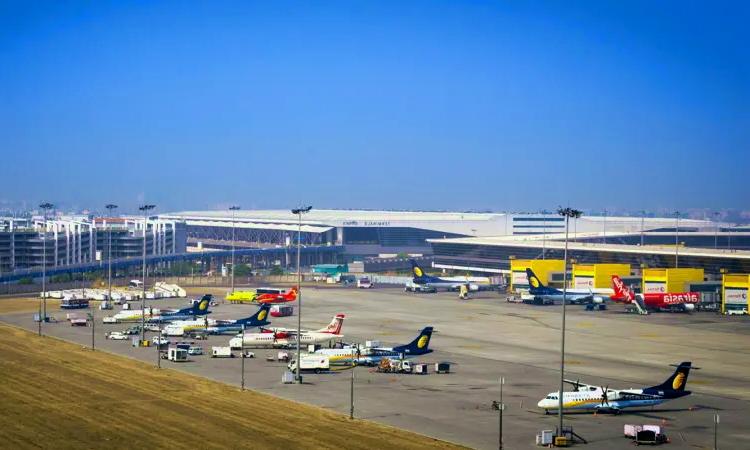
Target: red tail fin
x,y
621,292
335,326
292,295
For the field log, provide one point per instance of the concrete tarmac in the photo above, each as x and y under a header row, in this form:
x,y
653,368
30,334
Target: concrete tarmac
x,y
486,338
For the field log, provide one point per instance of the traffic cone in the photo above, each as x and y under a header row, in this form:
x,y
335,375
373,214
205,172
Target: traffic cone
x,y
594,413
663,421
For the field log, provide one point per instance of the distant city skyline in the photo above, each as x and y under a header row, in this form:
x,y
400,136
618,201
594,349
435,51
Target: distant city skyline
x,y
421,104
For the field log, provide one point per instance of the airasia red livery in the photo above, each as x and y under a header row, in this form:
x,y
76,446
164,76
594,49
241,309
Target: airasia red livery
x,y
278,298
682,301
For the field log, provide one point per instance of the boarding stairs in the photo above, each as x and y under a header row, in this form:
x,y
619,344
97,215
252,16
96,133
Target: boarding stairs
x,y
640,305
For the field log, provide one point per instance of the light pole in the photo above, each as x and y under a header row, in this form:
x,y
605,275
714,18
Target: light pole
x,y
568,213
233,209
145,209
502,407
716,432
242,355
716,231
299,212
43,314
643,224
604,237
110,207
544,232
676,239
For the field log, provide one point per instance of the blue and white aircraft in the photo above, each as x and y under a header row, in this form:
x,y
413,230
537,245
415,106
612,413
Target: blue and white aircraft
x,y
572,296
367,356
599,398
475,283
154,315
212,326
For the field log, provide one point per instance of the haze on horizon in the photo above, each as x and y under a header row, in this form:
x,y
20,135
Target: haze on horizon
x,y
421,104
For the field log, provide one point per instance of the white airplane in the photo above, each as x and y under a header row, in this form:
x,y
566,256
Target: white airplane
x,y
598,398
572,296
332,328
475,283
165,315
420,346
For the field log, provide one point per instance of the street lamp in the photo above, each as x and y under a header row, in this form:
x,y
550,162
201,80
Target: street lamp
x,y
676,239
716,230
110,207
604,237
544,232
299,212
643,223
568,213
233,209
43,314
145,209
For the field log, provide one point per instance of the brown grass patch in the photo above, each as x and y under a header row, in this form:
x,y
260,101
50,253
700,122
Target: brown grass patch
x,y
30,305
59,395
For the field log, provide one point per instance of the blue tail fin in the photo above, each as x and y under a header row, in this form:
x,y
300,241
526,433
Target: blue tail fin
x,y
419,346
198,308
258,319
416,270
678,380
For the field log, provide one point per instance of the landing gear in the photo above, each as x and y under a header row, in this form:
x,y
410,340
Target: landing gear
x,y
546,412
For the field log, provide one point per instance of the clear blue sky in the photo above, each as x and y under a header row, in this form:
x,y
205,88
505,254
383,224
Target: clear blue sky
x,y
413,104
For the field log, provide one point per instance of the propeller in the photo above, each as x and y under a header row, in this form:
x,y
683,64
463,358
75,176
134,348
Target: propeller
x,y
605,395
576,385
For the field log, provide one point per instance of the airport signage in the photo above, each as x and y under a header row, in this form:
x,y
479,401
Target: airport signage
x,y
735,296
366,223
655,288
519,278
584,283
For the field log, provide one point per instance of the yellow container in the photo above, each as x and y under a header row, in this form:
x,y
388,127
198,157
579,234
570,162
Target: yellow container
x,y
561,441
735,291
669,280
598,276
541,267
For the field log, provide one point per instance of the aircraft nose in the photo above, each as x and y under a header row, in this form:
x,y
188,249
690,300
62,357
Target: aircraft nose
x,y
540,404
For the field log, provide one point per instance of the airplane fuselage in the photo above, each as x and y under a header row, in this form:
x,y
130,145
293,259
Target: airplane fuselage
x,y
617,400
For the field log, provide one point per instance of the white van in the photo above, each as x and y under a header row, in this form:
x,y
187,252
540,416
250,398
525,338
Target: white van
x,y
364,283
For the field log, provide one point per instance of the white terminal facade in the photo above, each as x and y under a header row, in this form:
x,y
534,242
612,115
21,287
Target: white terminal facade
x,y
70,241
366,234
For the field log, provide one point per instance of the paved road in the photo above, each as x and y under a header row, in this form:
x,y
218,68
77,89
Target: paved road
x,y
487,338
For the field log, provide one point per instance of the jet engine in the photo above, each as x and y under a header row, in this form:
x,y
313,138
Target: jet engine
x,y
598,300
689,306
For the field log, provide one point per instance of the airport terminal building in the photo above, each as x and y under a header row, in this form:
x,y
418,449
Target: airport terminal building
x,y
365,234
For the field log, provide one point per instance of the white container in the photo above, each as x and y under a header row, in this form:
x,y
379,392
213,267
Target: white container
x,y
373,344
631,430
655,428
546,437
177,354
109,320
287,378
221,352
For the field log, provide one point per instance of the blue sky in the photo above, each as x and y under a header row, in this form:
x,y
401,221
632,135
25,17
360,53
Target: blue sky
x,y
418,104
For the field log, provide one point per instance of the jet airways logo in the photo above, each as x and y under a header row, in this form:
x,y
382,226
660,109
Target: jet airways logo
x,y
678,380
422,341
418,271
680,298
534,282
262,315
203,306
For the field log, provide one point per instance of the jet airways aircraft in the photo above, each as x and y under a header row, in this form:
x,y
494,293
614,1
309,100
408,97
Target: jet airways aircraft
x,y
212,326
168,315
420,278
678,301
600,398
572,296
420,346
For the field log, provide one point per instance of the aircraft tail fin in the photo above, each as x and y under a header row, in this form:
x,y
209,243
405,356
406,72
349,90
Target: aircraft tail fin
x,y
621,291
534,281
419,346
335,326
292,295
258,319
678,380
416,270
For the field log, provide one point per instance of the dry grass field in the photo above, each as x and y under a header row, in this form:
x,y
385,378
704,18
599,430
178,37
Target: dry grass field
x,y
29,305
59,395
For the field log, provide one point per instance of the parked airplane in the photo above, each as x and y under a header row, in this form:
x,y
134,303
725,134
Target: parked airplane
x,y
572,296
213,326
332,328
286,338
475,283
420,346
166,315
601,398
678,301
277,298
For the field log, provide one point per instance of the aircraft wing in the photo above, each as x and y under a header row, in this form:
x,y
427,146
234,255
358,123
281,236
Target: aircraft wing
x,y
582,386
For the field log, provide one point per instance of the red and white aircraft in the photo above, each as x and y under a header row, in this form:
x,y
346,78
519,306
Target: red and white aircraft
x,y
676,301
333,328
277,298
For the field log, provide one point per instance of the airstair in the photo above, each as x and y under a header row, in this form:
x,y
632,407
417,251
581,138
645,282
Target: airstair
x,y
640,305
